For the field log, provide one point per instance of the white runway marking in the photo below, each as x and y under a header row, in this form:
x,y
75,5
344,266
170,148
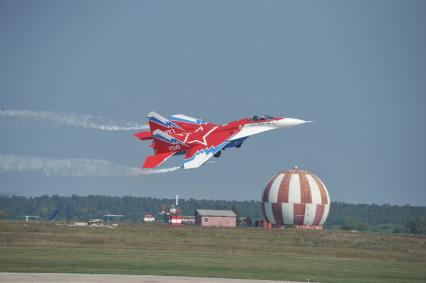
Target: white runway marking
x,y
109,278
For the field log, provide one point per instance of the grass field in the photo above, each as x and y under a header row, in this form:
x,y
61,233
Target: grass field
x,y
324,256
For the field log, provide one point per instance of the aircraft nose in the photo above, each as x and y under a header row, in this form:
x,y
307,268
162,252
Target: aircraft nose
x,y
290,122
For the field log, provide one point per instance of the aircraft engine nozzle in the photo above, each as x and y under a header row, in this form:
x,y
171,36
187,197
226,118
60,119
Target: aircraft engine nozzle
x,y
290,122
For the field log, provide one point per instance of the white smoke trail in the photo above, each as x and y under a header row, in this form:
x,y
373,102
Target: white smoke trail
x,y
159,171
76,120
71,167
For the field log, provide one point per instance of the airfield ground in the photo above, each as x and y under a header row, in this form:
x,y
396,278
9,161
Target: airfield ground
x,y
247,253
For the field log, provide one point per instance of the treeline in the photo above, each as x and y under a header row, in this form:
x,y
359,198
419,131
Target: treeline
x,y
379,218
367,217
96,206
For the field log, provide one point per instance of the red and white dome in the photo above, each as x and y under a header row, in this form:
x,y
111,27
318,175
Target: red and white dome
x,y
295,197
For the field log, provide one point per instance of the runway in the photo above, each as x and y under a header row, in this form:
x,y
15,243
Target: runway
x,y
6,277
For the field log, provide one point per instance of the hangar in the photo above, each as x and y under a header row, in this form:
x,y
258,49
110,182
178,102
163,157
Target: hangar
x,y
218,218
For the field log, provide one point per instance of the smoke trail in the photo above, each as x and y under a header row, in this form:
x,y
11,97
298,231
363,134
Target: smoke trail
x,y
71,167
76,120
159,171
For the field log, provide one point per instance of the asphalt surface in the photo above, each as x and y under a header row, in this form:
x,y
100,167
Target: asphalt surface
x,y
108,278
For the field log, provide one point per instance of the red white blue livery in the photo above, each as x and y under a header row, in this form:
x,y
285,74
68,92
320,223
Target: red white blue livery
x,y
199,140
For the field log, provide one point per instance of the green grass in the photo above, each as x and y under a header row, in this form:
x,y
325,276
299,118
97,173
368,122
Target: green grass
x,y
324,256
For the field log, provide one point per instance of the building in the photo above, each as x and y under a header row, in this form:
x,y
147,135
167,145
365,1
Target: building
x,y
175,219
188,219
296,198
245,221
218,218
173,215
149,218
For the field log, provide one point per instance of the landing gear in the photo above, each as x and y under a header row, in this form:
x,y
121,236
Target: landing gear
x,y
217,154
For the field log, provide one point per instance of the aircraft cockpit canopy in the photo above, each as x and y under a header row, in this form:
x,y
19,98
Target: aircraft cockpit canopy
x,y
260,118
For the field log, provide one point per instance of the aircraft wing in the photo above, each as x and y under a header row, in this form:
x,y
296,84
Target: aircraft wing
x,y
188,123
186,119
204,148
157,159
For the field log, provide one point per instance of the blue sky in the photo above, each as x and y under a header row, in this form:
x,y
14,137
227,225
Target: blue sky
x,y
358,68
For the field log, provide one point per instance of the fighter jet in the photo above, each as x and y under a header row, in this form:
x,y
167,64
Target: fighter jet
x,y
199,140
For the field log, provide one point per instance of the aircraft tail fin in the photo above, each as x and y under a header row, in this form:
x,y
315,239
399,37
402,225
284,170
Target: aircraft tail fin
x,y
53,216
164,142
158,122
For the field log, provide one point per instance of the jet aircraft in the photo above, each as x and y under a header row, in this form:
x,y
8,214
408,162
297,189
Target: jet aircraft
x,y
199,140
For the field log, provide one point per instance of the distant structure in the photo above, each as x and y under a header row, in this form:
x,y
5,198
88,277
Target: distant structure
x,y
29,217
188,219
172,215
218,218
52,217
295,198
97,222
245,221
149,218
111,217
175,215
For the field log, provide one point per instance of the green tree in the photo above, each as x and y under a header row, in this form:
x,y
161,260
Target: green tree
x,y
417,225
3,215
237,212
399,229
354,224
